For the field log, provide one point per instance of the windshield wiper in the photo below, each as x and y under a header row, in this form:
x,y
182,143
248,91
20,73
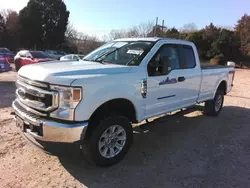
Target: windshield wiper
x,y
105,54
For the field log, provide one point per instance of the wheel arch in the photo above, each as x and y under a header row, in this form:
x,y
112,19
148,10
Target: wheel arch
x,y
120,106
223,86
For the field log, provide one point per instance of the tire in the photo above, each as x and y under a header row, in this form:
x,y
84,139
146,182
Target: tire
x,y
95,147
17,65
214,106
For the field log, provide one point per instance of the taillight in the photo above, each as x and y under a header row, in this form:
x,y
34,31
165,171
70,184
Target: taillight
x,y
232,72
233,76
7,59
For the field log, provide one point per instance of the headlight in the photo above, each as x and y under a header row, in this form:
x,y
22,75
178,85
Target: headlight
x,y
69,98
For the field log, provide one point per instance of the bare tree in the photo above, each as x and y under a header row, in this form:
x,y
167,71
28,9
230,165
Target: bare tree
x,y
71,33
141,30
187,28
144,29
5,13
115,34
86,43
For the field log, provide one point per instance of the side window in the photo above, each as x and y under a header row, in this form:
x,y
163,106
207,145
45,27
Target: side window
x,y
166,59
75,57
189,58
68,57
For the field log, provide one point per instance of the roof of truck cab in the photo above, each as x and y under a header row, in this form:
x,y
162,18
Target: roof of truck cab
x,y
151,39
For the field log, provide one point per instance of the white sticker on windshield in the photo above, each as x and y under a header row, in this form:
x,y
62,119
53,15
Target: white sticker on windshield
x,y
136,52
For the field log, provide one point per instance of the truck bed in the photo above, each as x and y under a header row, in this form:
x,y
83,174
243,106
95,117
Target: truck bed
x,y
210,66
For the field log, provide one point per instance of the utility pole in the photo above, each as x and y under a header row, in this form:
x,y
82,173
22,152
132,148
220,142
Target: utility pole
x,y
155,28
161,27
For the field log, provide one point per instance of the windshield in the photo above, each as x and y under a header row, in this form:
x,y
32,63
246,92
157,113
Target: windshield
x,y
51,52
121,53
81,56
39,55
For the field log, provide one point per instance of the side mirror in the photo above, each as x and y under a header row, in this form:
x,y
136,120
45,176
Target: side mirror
x,y
159,66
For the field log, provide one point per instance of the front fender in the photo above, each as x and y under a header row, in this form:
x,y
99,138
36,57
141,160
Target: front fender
x,y
97,97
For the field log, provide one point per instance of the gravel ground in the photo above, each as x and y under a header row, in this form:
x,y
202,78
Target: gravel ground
x,y
182,150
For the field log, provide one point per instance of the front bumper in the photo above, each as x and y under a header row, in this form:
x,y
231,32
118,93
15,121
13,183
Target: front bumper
x,y
49,130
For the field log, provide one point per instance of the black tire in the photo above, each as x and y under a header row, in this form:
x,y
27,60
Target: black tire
x,y
17,65
210,106
90,148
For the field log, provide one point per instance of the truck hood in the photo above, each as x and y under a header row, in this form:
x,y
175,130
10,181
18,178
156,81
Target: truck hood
x,y
65,72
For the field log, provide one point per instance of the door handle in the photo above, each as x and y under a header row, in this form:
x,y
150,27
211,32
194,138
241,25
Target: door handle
x,y
181,79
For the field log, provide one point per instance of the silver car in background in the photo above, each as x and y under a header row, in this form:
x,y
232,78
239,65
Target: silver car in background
x,y
72,57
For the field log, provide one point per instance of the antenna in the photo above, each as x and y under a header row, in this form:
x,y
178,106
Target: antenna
x,y
162,27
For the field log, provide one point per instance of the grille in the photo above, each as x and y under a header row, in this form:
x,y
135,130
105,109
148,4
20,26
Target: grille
x,y
32,121
36,95
46,100
28,113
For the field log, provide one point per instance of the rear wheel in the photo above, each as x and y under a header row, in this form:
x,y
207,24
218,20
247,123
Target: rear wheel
x,y
214,106
109,141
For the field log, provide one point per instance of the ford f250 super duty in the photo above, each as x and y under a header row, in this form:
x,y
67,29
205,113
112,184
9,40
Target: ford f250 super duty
x,y
94,101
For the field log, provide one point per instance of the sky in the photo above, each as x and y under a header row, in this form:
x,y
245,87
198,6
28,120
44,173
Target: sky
x,y
98,17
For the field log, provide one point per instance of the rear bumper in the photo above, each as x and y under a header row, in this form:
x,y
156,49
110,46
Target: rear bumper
x,y
49,130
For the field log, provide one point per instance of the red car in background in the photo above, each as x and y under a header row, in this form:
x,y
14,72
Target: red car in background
x,y
26,57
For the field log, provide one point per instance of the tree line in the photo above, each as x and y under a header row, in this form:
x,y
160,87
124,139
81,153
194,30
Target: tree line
x,y
40,24
219,44
43,24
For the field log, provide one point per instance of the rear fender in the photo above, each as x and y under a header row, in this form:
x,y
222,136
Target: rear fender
x,y
218,85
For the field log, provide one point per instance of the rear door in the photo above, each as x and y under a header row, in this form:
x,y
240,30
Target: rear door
x,y
189,76
177,87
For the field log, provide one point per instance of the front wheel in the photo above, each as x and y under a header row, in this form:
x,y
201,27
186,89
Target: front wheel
x,y
109,142
214,106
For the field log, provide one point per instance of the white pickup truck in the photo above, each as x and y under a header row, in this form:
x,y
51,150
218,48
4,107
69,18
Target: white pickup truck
x,y
94,101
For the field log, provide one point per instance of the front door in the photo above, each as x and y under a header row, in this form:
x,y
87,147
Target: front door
x,y
163,87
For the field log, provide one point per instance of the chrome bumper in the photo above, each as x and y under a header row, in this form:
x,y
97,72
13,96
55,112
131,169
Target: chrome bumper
x,y
51,131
